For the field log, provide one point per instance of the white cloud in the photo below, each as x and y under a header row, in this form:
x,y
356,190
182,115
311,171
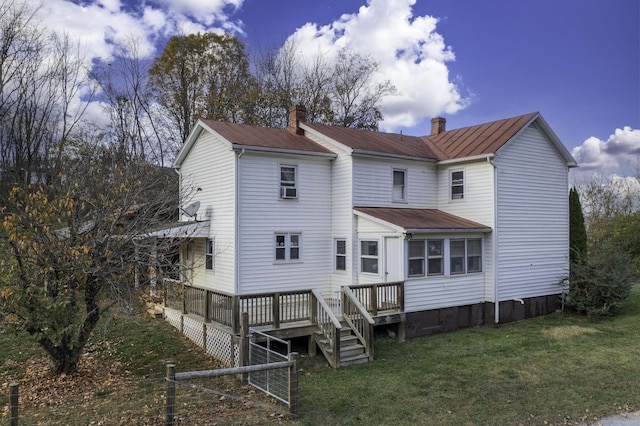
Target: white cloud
x,y
619,154
411,54
104,26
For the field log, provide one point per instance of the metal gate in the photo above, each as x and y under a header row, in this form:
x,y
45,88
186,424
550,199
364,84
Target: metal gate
x,y
266,349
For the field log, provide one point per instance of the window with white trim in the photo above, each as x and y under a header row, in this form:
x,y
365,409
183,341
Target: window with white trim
x,y
209,254
288,186
474,255
341,255
466,256
416,258
457,254
287,247
457,185
399,185
369,256
435,255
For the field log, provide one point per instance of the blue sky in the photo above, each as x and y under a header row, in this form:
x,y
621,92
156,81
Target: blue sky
x,y
575,61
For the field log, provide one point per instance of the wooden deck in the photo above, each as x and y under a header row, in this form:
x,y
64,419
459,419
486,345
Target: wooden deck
x,y
304,313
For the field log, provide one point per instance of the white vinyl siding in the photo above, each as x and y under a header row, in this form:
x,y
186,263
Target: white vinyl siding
x,y
373,183
262,217
208,176
342,218
533,217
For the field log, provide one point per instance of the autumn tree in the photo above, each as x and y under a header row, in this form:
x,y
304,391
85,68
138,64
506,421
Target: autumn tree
x,y
202,75
69,250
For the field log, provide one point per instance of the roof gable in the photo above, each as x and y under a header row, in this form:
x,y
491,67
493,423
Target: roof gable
x,y
488,138
478,140
244,136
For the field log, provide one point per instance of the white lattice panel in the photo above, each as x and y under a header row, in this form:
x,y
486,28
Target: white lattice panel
x,y
236,353
173,317
192,328
220,345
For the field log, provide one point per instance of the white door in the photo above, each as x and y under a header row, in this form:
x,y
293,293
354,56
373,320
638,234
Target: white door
x,y
392,259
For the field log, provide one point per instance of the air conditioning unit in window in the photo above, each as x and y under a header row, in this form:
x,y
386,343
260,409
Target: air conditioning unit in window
x,y
288,192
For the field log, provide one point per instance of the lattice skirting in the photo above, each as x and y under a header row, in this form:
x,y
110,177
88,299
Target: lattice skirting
x,y
219,344
173,317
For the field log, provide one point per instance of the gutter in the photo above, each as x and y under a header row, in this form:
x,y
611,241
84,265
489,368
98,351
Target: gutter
x,y
374,154
243,148
487,157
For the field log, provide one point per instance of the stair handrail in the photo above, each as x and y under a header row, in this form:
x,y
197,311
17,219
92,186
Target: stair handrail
x,y
364,332
329,325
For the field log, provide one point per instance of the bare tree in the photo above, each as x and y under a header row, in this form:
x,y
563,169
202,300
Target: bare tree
x,y
40,75
343,93
136,124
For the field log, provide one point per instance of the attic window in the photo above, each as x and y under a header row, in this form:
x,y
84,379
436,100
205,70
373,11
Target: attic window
x,y
457,185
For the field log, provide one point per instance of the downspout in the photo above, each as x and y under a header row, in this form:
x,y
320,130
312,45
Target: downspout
x,y
496,300
236,236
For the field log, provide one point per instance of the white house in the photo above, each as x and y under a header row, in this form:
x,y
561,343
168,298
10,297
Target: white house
x,y
473,222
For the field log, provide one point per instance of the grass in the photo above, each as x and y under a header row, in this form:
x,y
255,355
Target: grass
x,y
556,369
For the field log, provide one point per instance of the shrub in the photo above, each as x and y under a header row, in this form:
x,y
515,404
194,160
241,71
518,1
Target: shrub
x,y
599,284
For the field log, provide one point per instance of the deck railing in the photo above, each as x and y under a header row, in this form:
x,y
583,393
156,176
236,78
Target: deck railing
x,y
377,298
271,309
358,319
275,309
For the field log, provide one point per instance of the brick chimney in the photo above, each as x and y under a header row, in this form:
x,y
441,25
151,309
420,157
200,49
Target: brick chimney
x,y
438,125
297,115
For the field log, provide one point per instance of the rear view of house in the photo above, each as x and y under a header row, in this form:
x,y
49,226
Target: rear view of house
x,y
314,228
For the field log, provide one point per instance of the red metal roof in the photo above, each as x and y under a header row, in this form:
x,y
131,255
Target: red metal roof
x,y
376,142
422,219
450,144
263,137
477,140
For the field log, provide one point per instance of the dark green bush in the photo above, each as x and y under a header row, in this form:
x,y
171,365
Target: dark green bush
x,y
599,284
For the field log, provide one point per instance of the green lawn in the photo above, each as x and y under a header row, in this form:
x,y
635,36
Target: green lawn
x,y
556,369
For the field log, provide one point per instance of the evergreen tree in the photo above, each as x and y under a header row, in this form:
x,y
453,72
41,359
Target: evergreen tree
x,y
577,230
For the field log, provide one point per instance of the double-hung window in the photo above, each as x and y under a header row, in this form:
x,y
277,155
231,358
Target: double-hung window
x,y
369,256
341,255
457,256
399,185
416,258
288,186
466,256
457,185
435,264
287,247
209,254
474,255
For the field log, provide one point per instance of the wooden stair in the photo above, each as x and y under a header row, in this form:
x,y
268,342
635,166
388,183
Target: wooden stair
x,y
351,351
